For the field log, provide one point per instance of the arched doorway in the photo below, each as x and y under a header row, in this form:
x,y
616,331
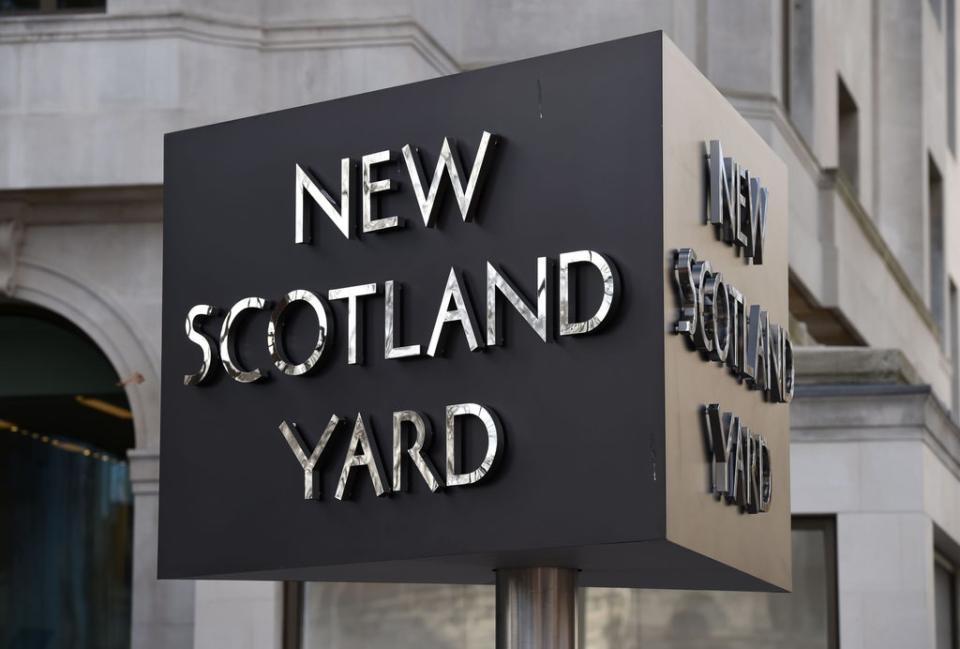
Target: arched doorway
x,y
65,502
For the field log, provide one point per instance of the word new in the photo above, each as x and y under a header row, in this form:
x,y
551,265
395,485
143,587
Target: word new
x,y
738,205
340,215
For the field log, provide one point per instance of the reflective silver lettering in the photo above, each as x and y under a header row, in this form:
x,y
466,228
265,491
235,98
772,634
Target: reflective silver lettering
x,y
340,215
368,458
370,187
449,161
311,486
354,321
275,333
421,426
608,275
230,364
461,312
392,325
455,474
197,337
497,282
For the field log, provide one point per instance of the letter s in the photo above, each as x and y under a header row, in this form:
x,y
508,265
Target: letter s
x,y
200,340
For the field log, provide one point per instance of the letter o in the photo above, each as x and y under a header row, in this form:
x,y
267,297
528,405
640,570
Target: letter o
x,y
702,273
274,333
717,316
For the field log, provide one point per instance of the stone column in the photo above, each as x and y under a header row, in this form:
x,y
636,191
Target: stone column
x,y
238,615
162,616
885,580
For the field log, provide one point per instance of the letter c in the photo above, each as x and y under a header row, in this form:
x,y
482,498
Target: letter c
x,y
230,364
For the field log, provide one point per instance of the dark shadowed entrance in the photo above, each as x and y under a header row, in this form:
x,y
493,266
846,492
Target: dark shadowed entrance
x,y
65,503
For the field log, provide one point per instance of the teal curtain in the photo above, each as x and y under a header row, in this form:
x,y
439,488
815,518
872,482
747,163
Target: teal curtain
x,y
65,530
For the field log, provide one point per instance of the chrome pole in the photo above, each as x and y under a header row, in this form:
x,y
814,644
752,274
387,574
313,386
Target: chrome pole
x,y
536,608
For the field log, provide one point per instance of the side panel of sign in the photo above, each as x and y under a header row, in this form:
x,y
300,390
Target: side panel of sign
x,y
728,359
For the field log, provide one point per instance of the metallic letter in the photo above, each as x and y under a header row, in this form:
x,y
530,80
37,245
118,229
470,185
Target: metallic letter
x,y
683,275
354,324
744,208
415,451
738,330
766,476
369,457
724,203
607,272
391,331
775,381
454,477
311,488
702,338
462,313
496,281
788,369
752,496
226,354
370,187
716,308
200,340
339,215
275,335
758,348
735,466
758,221
722,430
448,160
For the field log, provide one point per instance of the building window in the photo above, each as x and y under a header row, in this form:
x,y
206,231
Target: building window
x,y
65,501
798,68
935,209
945,603
935,9
50,6
785,26
951,38
848,136
677,619
955,349
426,616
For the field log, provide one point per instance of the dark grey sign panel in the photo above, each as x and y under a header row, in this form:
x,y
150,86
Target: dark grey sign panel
x,y
337,338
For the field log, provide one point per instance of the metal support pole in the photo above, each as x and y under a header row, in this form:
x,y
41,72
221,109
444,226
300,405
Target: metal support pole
x,y
536,608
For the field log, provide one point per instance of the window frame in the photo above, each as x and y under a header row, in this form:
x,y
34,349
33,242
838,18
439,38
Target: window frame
x,y
293,591
943,561
828,524
50,8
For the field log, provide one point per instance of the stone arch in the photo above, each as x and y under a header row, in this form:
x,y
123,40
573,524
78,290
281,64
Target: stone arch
x,y
113,331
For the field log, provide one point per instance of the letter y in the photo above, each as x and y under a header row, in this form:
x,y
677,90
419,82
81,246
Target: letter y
x,y
311,489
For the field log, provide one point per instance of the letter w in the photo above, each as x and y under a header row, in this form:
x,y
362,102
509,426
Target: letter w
x,y
450,161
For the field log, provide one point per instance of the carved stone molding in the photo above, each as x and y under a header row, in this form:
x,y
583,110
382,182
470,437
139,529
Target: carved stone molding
x,y
11,240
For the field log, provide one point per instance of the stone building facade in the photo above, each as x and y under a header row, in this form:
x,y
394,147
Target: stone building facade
x,y
857,97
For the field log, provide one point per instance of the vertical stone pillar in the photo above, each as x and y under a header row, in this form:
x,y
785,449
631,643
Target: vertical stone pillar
x,y
238,615
885,580
162,616
900,150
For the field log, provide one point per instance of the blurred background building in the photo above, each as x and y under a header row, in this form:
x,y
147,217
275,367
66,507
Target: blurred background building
x,y
858,98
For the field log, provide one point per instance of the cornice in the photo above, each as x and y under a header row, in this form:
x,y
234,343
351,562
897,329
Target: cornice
x,y
231,32
845,413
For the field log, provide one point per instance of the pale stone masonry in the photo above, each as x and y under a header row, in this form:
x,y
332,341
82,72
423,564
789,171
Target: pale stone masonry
x,y
854,96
